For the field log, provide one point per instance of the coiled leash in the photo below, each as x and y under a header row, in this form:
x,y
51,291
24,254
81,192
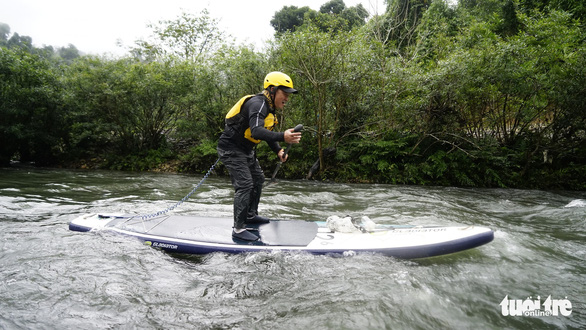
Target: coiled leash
x,y
172,207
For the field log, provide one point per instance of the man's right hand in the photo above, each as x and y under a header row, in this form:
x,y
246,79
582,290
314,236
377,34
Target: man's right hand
x,y
292,137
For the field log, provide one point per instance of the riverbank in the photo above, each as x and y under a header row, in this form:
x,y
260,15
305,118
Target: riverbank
x,y
466,173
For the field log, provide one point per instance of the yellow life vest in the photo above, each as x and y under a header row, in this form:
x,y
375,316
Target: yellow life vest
x,y
270,119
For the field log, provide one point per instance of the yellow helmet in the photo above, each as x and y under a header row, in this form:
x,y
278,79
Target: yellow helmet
x,y
280,80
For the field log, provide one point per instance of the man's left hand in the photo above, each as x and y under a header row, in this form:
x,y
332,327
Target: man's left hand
x,y
282,156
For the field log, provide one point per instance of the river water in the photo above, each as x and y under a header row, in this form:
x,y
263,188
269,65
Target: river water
x,y
53,278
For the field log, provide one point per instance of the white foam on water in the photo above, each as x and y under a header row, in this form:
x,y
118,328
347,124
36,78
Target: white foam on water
x,y
577,203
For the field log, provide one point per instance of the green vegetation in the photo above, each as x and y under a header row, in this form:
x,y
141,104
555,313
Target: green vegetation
x,y
479,94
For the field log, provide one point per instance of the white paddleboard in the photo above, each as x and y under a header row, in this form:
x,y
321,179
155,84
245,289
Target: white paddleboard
x,y
202,235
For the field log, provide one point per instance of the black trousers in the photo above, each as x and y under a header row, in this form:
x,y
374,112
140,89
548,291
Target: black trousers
x,y
247,178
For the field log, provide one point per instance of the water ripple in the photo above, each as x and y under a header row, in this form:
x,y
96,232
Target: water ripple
x,y
54,278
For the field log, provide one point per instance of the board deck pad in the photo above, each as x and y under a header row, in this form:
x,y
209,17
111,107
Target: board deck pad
x,y
219,230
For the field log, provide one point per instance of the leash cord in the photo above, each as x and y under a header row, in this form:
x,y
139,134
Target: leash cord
x,y
172,207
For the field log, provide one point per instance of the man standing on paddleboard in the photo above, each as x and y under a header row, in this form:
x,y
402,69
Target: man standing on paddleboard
x,y
250,121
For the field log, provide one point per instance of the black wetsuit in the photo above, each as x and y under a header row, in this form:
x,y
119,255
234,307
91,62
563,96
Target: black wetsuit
x,y
237,153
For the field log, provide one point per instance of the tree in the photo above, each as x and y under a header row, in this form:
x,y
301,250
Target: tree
x,y
575,7
355,16
333,7
510,22
32,126
188,37
18,41
332,68
332,16
68,53
4,33
397,26
124,106
289,18
437,33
